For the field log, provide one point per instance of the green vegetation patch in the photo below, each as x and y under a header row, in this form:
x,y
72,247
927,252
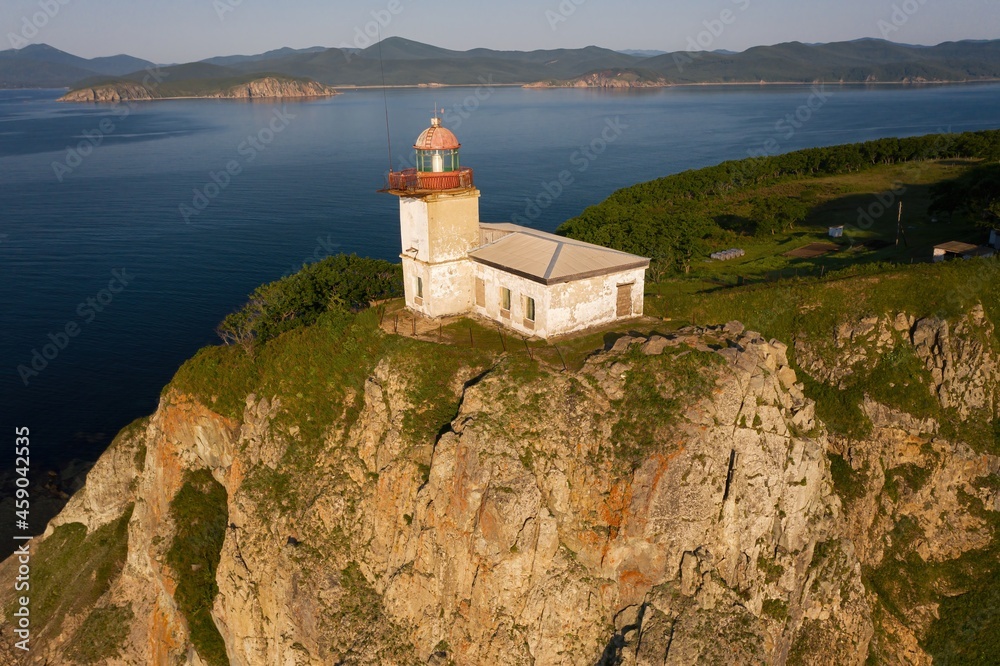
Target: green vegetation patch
x,y
431,372
967,589
775,609
362,622
341,282
71,570
905,477
102,634
200,513
967,630
772,570
657,390
679,219
847,483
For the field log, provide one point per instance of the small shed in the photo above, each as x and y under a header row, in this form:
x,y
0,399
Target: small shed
x,y
995,239
837,232
953,249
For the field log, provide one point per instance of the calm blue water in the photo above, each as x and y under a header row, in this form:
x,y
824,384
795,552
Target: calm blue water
x,y
311,191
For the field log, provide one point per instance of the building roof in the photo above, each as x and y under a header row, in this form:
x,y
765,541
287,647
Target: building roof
x,y
956,247
550,259
437,137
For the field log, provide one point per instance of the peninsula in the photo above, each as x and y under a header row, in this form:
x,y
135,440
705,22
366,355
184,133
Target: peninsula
x,y
251,87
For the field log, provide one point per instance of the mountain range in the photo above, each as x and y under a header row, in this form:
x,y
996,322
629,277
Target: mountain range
x,y
408,62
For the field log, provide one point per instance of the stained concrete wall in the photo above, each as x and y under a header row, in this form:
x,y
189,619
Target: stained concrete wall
x,y
560,308
447,287
441,227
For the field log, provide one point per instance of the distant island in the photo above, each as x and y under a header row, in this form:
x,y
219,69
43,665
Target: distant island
x,y
410,63
614,78
267,87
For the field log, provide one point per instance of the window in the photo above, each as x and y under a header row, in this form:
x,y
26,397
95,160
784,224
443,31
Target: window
x,y
480,292
420,291
505,301
529,309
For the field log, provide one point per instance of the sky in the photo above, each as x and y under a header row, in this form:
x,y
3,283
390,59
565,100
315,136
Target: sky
x,y
169,31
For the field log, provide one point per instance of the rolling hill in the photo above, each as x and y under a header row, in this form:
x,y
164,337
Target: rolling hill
x,y
407,62
42,66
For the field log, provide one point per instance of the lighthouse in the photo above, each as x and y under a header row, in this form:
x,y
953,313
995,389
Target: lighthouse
x,y
439,224
532,282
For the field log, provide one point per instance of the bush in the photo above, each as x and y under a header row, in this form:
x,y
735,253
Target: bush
x,y
343,282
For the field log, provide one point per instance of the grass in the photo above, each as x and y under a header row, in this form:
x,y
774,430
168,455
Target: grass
x,y
833,201
363,622
72,570
431,371
657,390
200,514
967,590
967,630
905,477
102,635
775,609
847,483
772,570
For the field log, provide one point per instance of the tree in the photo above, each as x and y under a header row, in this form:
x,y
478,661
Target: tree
x,y
774,214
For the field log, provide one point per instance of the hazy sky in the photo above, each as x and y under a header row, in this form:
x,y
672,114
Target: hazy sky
x,y
184,30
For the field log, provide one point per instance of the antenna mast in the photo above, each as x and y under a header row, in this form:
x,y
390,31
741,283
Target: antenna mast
x,y
385,99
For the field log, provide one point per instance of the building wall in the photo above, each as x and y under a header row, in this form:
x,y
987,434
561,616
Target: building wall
x,y
995,239
577,305
447,287
441,227
520,288
560,308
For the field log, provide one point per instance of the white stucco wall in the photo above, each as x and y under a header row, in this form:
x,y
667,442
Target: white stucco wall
x,y
574,306
441,227
560,308
519,289
447,287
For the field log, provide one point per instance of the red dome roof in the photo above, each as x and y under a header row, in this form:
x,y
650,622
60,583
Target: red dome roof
x,y
436,137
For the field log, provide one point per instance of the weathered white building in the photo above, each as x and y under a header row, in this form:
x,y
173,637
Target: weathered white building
x,y
534,282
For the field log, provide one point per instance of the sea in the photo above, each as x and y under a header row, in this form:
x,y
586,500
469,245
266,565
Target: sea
x,y
128,232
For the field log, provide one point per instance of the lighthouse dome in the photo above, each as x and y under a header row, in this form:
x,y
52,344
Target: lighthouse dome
x,y
437,137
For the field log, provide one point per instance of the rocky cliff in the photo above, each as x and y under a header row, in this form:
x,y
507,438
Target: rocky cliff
x,y
262,88
674,501
616,78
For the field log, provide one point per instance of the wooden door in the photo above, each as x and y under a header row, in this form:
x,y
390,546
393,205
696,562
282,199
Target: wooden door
x,y
625,300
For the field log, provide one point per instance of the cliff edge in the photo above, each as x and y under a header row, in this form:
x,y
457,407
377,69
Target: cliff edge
x,y
348,496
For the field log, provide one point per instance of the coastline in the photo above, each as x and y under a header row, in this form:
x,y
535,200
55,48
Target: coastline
x,y
208,97
341,89
542,86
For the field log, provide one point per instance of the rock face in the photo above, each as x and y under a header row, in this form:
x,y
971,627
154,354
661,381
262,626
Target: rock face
x,y
606,79
264,88
670,503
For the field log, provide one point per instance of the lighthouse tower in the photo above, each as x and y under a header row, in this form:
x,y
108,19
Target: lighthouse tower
x,y
439,225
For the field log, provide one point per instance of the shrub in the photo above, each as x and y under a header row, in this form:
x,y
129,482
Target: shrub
x,y
345,282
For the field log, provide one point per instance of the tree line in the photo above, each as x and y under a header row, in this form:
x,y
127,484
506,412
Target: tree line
x,y
669,219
